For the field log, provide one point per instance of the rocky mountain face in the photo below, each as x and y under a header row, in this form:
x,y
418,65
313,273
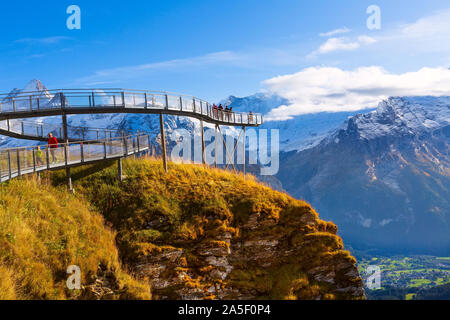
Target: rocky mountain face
x,y
247,267
383,177
200,233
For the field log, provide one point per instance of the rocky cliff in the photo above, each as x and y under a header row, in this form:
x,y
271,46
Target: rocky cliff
x,y
197,233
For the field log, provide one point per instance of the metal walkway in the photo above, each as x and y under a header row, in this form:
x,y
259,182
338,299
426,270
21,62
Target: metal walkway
x,y
16,162
95,101
38,131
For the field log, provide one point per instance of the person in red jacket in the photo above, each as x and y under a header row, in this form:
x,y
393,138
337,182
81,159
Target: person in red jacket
x,y
53,145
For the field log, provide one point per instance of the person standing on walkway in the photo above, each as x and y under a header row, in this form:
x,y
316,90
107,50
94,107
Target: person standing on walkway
x,y
39,156
52,145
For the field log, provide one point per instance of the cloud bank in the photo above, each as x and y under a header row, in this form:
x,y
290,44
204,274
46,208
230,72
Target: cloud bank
x,y
335,32
326,89
343,44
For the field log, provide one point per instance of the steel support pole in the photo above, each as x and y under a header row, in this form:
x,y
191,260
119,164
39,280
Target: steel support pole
x,y
203,143
163,141
66,145
9,165
120,168
215,148
243,128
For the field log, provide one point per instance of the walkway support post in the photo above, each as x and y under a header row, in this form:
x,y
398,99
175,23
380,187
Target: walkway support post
x,y
203,143
215,147
243,128
163,141
66,143
120,168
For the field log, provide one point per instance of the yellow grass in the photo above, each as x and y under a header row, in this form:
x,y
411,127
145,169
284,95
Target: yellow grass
x,y
43,230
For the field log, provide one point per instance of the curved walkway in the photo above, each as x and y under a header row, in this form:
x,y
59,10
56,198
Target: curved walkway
x,y
95,101
38,131
16,162
21,161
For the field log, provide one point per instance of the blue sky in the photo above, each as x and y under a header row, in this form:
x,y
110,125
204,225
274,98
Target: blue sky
x,y
212,49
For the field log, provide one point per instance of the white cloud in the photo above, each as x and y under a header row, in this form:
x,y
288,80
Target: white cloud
x,y
133,71
43,41
250,60
342,44
335,32
326,89
429,34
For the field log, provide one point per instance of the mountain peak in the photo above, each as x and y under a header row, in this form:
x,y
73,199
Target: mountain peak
x,y
34,85
402,115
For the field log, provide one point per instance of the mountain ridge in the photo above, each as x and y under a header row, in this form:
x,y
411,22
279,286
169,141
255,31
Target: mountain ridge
x,y
383,176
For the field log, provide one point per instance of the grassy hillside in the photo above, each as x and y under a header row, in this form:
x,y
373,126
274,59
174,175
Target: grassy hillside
x,y
197,232
43,230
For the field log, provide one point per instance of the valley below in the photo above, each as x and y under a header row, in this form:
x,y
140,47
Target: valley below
x,y
407,277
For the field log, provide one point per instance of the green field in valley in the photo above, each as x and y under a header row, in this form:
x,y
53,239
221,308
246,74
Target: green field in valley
x,y
403,277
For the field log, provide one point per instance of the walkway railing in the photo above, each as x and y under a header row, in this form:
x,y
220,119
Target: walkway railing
x,y
116,99
40,130
21,161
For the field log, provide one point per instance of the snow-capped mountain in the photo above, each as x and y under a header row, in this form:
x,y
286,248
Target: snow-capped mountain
x,y
383,176
299,133
400,116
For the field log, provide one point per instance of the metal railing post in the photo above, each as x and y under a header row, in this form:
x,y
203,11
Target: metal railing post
x,y
66,154
63,100
34,160
123,99
149,143
47,151
146,100
14,104
125,146
167,102
9,164
31,103
82,151
93,99
181,103
18,162
104,149
138,142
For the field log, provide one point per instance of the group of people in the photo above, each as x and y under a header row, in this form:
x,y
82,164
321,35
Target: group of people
x,y
223,114
52,146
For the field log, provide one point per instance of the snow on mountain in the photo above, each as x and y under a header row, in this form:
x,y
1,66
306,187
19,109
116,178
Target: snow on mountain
x,y
302,132
401,116
383,176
